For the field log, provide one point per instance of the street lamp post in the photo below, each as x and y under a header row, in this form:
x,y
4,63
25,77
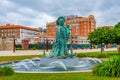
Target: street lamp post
x,y
13,44
44,46
3,43
90,45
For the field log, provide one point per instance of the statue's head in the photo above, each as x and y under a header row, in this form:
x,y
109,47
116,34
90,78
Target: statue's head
x,y
60,21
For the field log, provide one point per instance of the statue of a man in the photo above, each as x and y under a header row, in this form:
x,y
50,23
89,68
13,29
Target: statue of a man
x,y
59,49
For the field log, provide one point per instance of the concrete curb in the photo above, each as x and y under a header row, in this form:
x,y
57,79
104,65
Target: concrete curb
x,y
54,72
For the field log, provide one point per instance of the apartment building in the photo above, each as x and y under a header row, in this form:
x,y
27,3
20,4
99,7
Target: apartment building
x,y
19,32
81,27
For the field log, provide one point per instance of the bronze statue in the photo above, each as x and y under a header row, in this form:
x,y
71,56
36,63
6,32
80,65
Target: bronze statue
x,y
60,49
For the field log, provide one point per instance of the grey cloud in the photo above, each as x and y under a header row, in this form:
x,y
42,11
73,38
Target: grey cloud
x,y
58,7
35,12
107,12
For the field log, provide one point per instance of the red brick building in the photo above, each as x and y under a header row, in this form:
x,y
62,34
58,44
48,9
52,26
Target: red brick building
x,y
81,27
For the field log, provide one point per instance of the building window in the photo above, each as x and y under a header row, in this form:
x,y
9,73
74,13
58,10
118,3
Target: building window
x,y
8,30
84,23
5,35
52,26
77,27
88,29
92,23
92,26
81,41
92,20
76,30
84,26
2,34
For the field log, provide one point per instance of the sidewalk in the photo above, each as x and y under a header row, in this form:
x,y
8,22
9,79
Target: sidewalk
x,y
40,52
94,50
21,52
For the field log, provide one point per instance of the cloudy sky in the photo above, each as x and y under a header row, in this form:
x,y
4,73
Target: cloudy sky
x,y
36,13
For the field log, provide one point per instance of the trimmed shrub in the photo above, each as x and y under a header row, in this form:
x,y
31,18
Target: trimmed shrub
x,y
108,68
8,71
1,71
18,46
19,49
33,48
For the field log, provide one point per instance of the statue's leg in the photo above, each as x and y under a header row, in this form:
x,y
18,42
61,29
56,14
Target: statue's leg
x,y
51,54
61,48
66,49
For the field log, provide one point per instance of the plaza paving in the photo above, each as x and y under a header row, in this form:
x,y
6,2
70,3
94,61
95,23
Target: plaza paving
x,y
40,52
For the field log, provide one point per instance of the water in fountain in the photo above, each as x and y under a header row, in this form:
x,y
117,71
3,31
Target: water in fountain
x,y
20,65
58,64
28,61
53,65
24,63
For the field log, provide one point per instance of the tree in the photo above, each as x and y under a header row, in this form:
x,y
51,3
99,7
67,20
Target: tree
x,y
117,36
100,36
106,35
117,25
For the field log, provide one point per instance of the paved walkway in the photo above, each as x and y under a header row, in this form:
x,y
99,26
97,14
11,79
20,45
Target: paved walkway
x,y
40,52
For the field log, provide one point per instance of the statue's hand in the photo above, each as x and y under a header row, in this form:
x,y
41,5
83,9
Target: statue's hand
x,y
68,25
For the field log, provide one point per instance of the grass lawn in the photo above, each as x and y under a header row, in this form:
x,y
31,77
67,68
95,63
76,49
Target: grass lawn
x,y
14,58
105,54
57,76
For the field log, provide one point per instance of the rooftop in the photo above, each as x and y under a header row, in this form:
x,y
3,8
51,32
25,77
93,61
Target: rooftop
x,y
9,26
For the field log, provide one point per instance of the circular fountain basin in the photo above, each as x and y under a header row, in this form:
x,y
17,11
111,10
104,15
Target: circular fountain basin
x,y
52,65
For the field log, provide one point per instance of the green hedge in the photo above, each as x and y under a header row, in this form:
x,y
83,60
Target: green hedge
x,y
108,68
34,46
7,71
42,46
39,46
19,48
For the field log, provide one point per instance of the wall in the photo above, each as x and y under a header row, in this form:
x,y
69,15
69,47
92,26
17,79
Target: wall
x,y
6,44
